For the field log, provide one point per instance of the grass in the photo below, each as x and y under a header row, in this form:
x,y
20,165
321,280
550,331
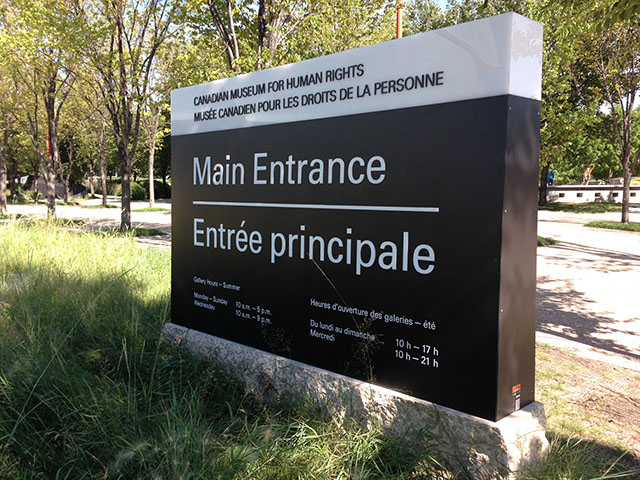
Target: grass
x,y
34,220
12,216
573,458
582,443
587,207
134,232
546,241
89,389
108,205
148,232
28,200
630,227
152,209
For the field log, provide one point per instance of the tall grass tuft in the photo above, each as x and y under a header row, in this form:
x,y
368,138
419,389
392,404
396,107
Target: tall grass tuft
x,y
88,389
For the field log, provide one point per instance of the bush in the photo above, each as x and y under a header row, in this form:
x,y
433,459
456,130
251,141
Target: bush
x,y
159,188
113,188
21,197
137,191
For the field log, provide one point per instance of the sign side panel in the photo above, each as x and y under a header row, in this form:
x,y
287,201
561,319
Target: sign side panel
x,y
516,369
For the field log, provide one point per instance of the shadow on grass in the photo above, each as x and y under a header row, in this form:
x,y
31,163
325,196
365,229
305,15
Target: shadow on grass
x,y
576,458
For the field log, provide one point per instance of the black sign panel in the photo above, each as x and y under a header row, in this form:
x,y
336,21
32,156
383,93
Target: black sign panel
x,y
373,245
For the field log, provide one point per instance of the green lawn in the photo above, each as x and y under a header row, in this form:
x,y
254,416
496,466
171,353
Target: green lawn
x,y
152,209
581,207
630,227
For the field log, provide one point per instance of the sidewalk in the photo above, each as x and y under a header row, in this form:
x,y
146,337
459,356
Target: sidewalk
x,y
588,288
106,218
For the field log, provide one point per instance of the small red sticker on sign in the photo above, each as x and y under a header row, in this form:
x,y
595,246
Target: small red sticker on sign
x,y
515,391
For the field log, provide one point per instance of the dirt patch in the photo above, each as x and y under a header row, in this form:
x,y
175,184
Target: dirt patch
x,y
590,399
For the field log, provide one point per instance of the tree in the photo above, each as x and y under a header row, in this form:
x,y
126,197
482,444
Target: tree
x,y
461,11
132,33
4,153
152,127
569,96
268,33
7,106
41,32
616,60
75,122
423,16
274,21
155,120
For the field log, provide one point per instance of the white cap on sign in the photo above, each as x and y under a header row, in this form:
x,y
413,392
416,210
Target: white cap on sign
x,y
494,56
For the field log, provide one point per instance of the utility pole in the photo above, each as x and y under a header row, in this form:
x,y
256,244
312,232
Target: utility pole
x,y
399,19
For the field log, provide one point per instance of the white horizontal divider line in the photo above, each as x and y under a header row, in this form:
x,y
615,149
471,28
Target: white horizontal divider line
x,y
316,206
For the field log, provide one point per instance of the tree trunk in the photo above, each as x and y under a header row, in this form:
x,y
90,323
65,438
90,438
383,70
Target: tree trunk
x,y
67,178
152,153
3,172
14,175
54,157
50,182
103,163
542,189
152,193
12,183
228,36
92,179
626,190
52,164
125,204
36,175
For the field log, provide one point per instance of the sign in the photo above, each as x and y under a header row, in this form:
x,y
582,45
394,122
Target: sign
x,y
372,213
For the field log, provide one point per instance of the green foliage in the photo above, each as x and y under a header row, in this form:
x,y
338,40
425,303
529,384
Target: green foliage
x,y
630,226
113,188
422,16
425,15
22,197
574,458
159,188
137,191
295,31
587,207
546,241
459,11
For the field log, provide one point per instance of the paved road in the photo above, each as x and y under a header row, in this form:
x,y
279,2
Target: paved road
x,y
588,284
589,288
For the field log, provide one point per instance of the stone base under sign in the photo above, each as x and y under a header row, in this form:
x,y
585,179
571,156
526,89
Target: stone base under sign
x,y
480,448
